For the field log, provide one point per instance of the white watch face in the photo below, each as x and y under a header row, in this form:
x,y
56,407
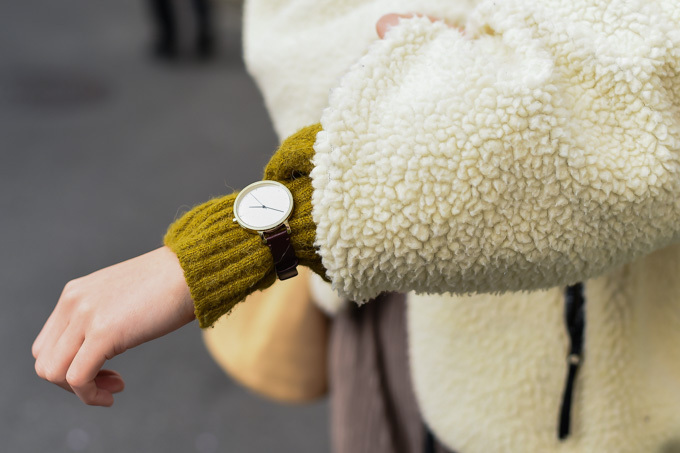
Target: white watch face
x,y
263,205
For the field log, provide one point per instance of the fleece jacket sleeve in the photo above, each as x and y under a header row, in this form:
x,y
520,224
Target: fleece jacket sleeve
x,y
540,148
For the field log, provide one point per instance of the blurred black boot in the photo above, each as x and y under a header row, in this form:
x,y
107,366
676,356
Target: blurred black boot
x,y
166,46
205,36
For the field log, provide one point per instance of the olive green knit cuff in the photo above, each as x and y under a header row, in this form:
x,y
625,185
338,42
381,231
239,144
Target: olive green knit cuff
x,y
222,262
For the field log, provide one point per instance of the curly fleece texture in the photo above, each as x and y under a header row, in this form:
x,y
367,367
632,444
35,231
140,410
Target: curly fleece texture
x,y
540,149
222,262
550,124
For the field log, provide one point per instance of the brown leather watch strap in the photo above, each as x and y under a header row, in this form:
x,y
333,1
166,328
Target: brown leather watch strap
x,y
285,260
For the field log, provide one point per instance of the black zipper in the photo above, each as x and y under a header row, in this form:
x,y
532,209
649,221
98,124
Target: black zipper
x,y
575,319
428,441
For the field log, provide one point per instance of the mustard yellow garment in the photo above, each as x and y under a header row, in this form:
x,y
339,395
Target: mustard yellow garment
x,y
222,262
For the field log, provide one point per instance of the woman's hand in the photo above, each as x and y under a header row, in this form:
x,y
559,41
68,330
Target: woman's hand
x,y
106,313
390,20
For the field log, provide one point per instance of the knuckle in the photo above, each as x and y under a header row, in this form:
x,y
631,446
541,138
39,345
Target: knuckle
x,y
39,369
72,291
69,288
52,375
75,379
81,309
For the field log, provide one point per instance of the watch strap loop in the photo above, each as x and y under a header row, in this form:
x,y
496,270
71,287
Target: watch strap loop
x,y
285,260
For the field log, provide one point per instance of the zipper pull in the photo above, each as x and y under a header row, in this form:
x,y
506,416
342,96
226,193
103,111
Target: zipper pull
x,y
574,315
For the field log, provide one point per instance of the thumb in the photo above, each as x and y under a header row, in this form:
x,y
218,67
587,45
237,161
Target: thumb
x,y
110,381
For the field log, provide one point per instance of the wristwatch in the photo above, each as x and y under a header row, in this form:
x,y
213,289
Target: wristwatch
x,y
264,207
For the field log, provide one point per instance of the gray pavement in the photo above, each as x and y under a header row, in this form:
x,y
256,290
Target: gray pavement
x,y
100,147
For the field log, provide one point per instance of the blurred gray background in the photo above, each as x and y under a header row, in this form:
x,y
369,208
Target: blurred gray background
x,y
101,145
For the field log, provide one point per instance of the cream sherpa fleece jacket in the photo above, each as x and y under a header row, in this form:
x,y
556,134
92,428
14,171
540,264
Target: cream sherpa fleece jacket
x,y
539,149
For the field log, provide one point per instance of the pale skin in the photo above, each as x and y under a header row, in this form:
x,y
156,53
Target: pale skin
x,y
105,313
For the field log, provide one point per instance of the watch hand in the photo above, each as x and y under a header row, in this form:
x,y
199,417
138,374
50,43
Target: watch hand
x,y
251,194
265,207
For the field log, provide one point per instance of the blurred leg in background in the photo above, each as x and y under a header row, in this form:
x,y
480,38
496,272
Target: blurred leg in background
x,y
205,36
166,45
170,29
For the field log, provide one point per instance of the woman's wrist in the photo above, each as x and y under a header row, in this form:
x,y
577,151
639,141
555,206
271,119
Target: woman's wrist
x,y
223,262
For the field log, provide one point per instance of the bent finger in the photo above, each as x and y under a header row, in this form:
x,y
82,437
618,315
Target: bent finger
x,y
58,320
54,360
84,369
110,380
51,331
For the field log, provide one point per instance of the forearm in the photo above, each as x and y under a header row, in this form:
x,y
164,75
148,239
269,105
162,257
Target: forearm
x,y
519,156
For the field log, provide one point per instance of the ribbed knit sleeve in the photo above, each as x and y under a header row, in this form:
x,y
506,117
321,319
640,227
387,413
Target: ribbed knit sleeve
x,y
222,262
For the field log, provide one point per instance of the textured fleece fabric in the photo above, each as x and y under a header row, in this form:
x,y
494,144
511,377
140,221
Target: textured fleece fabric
x,y
489,370
222,262
539,149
